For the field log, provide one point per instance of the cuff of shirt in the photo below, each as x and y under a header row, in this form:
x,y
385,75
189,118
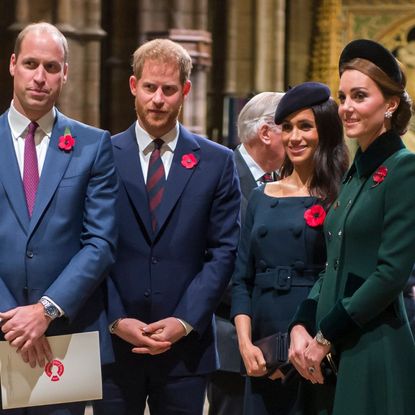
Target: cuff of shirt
x,y
186,326
61,312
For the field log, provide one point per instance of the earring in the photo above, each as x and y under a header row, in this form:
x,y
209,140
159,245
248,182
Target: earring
x,y
388,114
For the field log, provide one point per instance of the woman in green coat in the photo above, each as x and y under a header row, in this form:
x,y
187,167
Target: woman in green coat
x,y
356,309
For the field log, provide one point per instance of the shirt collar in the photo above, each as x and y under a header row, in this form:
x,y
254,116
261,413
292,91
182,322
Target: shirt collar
x,y
19,123
145,140
366,162
256,171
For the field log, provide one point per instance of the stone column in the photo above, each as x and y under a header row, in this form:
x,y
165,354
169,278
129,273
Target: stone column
x,y
269,45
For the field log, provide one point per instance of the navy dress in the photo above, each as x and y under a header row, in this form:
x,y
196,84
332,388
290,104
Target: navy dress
x,y
279,258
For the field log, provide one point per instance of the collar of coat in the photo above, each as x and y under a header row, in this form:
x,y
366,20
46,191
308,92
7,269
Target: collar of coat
x,y
365,163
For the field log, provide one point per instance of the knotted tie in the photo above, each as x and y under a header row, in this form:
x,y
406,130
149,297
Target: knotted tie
x,y
30,168
155,181
267,177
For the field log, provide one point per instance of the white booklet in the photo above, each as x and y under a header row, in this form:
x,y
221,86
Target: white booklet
x,y
73,375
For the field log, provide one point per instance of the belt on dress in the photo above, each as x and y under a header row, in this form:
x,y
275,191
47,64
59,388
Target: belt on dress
x,y
284,277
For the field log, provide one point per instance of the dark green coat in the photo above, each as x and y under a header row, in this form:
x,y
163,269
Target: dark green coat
x,y
370,238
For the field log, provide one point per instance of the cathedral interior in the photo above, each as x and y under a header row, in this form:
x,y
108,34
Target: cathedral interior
x,y
239,48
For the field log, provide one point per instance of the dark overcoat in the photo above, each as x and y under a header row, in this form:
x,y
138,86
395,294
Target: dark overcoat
x,y
357,303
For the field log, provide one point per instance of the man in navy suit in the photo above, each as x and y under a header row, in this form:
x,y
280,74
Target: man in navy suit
x,y
174,261
258,158
57,201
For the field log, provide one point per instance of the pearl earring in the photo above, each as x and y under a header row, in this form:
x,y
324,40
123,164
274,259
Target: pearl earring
x,y
388,114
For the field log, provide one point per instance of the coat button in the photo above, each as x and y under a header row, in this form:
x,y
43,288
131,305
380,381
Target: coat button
x,y
329,235
154,260
147,293
29,254
340,233
336,264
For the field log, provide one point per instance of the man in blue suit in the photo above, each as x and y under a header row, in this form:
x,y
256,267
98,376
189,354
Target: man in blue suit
x,y
57,201
176,248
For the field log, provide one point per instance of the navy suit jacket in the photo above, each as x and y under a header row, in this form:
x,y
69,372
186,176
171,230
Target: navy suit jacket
x,y
65,250
182,269
247,180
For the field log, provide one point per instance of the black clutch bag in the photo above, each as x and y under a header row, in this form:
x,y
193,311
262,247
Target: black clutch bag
x,y
275,351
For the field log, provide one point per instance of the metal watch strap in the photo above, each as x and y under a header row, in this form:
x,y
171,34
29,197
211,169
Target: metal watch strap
x,y
321,340
49,308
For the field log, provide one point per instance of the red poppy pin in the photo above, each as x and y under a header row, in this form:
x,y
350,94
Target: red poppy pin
x,y
379,175
189,161
315,216
66,141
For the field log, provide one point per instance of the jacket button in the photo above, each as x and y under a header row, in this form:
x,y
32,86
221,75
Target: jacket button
x,y
29,254
154,260
336,264
329,235
147,293
340,233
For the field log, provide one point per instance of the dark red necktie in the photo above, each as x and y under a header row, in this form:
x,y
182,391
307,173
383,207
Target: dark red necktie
x,y
156,180
30,168
267,177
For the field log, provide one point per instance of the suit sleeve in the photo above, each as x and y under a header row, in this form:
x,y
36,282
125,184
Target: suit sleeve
x,y
89,266
243,277
203,294
7,300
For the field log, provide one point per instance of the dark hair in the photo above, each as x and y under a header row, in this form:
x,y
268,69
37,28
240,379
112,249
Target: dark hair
x,y
331,158
389,88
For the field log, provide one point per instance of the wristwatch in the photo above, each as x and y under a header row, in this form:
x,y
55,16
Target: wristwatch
x,y
321,340
49,308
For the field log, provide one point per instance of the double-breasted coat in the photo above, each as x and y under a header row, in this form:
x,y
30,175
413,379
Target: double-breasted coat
x,y
357,302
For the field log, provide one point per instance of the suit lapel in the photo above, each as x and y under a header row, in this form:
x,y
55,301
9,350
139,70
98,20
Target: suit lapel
x,y
54,168
129,168
10,174
178,175
246,179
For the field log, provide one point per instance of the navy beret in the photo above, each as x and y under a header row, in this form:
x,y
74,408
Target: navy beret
x,y
301,96
375,53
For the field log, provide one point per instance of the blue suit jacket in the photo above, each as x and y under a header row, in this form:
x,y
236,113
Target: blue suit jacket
x,y
183,269
64,251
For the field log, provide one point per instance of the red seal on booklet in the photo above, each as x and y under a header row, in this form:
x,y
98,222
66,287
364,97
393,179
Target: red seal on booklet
x,y
54,370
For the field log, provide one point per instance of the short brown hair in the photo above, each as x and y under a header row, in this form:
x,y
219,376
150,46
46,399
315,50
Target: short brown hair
x,y
163,50
41,27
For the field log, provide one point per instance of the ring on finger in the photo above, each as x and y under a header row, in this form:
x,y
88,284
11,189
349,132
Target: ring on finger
x,y
311,369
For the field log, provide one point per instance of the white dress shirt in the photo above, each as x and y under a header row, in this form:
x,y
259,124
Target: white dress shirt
x,y
19,125
146,146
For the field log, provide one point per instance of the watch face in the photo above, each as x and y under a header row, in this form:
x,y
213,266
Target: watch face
x,y
50,310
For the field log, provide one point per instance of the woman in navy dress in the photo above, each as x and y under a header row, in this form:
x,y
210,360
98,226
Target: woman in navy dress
x,y
282,247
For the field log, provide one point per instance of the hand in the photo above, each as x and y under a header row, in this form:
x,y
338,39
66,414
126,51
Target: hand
x,y
299,341
253,359
23,326
39,353
313,356
169,329
131,330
